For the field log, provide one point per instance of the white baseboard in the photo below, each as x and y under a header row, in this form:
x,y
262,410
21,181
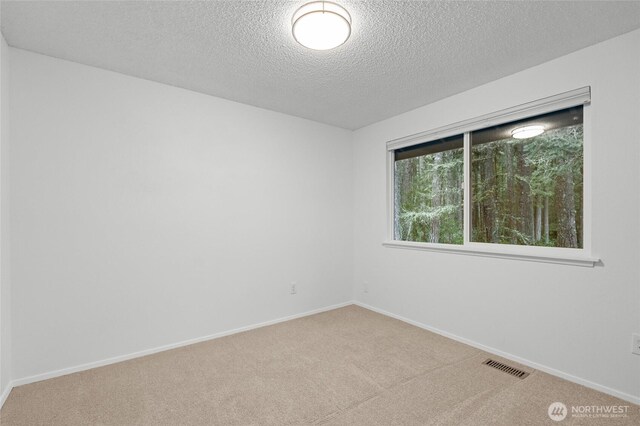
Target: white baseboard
x,y
514,358
113,360
5,394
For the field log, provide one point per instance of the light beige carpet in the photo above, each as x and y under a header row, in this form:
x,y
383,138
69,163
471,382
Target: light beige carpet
x,y
349,366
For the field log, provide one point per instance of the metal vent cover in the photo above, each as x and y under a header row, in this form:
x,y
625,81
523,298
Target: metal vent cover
x,y
505,368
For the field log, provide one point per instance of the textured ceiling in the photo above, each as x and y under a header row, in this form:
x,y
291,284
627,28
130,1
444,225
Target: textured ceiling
x,y
401,55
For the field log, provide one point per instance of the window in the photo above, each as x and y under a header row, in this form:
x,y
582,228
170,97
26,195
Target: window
x,y
508,184
529,191
429,192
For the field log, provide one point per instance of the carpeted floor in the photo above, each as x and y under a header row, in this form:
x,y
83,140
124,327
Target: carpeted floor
x,y
349,366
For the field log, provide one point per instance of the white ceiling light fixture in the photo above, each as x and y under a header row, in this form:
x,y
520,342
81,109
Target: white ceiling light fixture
x,y
321,25
527,132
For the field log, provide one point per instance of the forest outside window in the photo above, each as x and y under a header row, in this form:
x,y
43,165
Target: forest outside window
x,y
429,192
529,191
481,187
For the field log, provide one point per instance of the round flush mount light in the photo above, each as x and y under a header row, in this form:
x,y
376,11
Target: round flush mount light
x,y
321,25
526,132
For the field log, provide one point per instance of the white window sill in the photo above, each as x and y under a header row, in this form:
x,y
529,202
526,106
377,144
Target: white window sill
x,y
530,254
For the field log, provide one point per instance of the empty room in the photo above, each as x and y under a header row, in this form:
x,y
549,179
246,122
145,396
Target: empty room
x,y
311,212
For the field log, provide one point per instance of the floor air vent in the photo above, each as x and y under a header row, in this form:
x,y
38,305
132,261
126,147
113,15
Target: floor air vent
x,y
509,370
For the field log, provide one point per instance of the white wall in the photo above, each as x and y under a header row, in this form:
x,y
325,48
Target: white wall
x,y
575,320
5,313
144,215
5,291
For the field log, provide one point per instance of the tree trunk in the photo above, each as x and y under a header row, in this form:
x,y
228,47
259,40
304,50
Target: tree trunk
x,y
546,219
405,174
490,214
566,211
510,208
397,200
525,222
477,218
579,209
436,195
538,220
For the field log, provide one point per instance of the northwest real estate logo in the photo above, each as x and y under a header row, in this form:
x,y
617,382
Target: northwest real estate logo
x,y
558,411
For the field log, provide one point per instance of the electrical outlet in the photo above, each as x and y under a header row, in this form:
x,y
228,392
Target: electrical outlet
x,y
636,344
294,290
365,287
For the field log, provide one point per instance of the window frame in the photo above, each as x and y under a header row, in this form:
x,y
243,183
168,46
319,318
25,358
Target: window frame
x,y
568,256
